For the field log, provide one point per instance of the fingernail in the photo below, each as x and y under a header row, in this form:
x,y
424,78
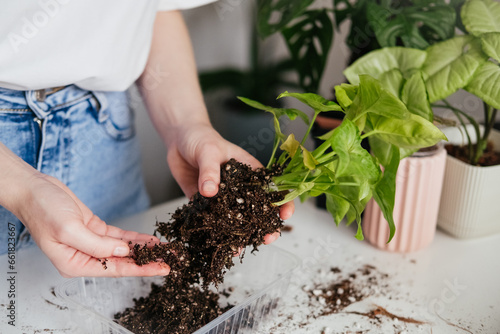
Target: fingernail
x,y
209,186
121,251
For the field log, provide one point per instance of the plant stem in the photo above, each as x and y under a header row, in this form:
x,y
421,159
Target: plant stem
x,y
473,151
489,120
275,148
369,134
316,113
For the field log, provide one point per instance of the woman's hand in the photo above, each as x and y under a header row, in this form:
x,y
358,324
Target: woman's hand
x,y
74,239
195,157
178,112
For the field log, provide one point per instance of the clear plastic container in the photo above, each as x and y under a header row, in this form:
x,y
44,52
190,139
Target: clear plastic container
x,y
259,283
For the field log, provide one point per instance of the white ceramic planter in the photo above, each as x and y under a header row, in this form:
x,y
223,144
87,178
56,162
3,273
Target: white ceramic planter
x,y
418,188
470,203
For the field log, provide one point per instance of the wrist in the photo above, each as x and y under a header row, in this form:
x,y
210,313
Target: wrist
x,y
16,179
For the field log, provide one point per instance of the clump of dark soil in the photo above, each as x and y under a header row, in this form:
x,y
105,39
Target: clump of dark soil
x,y
172,309
202,238
489,158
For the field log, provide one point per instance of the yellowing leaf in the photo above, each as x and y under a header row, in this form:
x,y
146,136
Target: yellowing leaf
x,y
309,160
290,145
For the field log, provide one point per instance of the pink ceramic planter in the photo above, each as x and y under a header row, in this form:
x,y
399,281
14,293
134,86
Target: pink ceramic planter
x,y
418,190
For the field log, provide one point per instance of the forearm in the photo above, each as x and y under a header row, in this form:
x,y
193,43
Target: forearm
x,y
15,177
169,85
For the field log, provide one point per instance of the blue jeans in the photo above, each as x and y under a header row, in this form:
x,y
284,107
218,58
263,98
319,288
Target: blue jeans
x,y
85,139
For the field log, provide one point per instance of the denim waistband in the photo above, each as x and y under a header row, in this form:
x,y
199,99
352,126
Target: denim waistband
x,y
44,102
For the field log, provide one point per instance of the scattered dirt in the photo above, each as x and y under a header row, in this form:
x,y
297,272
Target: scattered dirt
x,y
489,158
60,307
379,312
287,228
340,293
202,238
103,262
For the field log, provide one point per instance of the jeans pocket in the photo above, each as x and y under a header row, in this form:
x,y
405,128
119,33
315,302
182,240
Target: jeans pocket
x,y
114,114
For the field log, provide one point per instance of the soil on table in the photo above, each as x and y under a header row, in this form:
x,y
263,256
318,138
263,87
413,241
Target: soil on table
x,y
202,238
489,158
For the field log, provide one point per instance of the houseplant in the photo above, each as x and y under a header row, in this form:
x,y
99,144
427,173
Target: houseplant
x,y
201,243
306,26
469,62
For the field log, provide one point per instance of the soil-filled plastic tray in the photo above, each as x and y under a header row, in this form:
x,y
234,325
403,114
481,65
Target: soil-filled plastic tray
x,y
255,287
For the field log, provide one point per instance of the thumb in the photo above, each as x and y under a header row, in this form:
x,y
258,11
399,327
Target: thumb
x,y
209,167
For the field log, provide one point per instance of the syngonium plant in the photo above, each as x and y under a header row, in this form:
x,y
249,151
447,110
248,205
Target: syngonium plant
x,y
340,168
469,62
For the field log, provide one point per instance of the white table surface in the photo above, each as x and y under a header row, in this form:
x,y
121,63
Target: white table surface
x,y
459,279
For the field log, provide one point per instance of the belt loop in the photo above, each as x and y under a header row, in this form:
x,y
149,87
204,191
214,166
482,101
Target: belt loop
x,y
40,108
102,112
40,95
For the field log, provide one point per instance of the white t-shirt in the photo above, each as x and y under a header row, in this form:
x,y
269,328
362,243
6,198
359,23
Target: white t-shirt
x,y
95,44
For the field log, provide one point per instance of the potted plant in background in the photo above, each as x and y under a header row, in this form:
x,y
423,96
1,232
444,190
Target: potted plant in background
x,y
420,177
470,62
307,30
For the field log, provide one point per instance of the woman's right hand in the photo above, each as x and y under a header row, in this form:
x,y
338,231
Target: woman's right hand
x,y
73,238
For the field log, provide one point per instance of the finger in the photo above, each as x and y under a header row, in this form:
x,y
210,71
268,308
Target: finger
x,y
269,238
287,210
115,267
209,166
185,174
118,233
80,237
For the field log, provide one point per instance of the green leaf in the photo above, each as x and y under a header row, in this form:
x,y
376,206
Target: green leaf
x,y
414,95
345,93
450,65
485,84
491,44
438,21
353,160
291,113
392,81
290,145
385,191
359,232
337,206
380,150
285,10
315,101
481,16
380,61
343,9
388,118
412,133
373,98
309,160
416,26
309,41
